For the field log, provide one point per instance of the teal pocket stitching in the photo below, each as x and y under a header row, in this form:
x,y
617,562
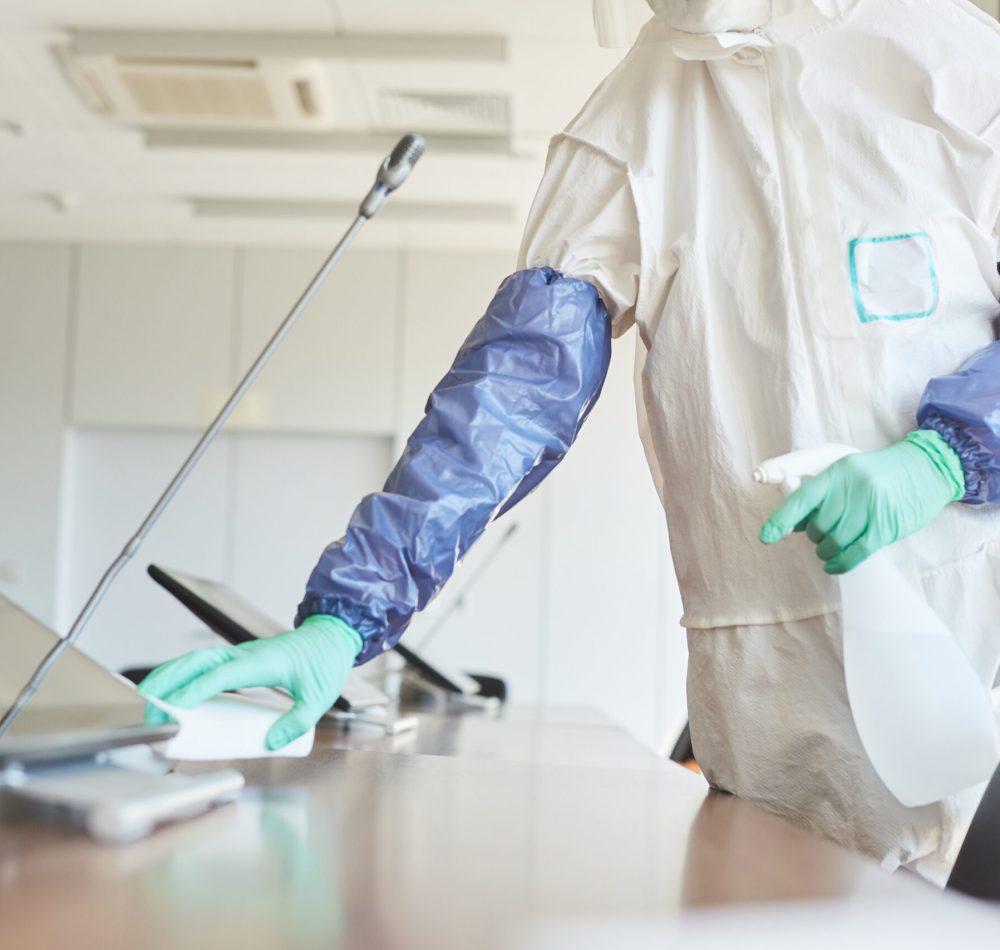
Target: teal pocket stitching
x,y
863,314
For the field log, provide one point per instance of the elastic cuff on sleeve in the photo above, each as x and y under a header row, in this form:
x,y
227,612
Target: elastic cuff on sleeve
x,y
958,469
354,616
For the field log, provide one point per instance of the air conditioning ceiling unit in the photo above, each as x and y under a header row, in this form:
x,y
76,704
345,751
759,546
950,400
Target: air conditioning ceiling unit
x,y
163,91
451,112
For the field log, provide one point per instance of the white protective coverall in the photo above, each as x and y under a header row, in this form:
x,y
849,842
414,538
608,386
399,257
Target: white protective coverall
x,y
796,204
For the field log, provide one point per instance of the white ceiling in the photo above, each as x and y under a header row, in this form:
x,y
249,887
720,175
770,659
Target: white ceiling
x,y
68,173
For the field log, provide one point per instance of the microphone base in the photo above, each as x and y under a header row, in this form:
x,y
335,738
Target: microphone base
x,y
117,797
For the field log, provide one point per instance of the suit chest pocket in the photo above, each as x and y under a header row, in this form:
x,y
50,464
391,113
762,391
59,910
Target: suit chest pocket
x,y
893,277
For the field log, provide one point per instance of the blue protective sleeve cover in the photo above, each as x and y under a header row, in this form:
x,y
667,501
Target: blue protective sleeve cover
x,y
964,409
501,419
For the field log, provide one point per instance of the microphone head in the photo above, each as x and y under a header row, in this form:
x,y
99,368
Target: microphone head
x,y
401,160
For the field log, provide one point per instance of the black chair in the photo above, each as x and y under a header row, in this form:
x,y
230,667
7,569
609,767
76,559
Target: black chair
x,y
683,750
977,868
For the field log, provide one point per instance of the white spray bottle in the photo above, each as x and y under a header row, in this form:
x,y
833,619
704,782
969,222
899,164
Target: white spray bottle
x,y
924,717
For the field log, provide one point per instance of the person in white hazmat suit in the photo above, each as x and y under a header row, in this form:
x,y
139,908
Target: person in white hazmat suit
x,y
795,203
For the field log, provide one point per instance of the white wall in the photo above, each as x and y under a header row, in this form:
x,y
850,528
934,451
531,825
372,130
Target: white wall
x,y
113,357
35,294
254,515
992,7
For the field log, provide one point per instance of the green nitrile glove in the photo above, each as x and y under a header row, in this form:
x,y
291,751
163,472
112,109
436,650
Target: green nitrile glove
x,y
871,499
311,663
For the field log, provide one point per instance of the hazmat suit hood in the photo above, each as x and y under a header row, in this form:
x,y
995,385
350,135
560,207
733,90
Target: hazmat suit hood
x,y
719,17
713,16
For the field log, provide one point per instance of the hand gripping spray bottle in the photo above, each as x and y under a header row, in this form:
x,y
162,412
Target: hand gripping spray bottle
x,y
924,717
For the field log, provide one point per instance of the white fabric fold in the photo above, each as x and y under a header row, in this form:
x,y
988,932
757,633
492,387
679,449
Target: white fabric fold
x,y
705,47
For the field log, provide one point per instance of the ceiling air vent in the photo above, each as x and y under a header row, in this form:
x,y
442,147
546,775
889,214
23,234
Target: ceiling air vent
x,y
444,111
177,91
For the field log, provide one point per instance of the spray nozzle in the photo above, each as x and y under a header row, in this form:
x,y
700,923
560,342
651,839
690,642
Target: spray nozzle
x,y
789,470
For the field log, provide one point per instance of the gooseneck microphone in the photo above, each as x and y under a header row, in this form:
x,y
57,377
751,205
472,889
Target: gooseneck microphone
x,y
391,174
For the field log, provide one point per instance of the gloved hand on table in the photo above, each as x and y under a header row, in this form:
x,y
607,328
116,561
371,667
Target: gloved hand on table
x,y
311,663
869,500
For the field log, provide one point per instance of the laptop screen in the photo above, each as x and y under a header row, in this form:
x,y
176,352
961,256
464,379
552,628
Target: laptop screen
x,y
78,702
224,611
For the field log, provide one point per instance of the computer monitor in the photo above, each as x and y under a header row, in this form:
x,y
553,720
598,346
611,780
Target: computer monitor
x,y
80,708
239,621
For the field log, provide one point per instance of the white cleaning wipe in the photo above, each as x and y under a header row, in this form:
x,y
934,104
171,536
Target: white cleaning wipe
x,y
227,727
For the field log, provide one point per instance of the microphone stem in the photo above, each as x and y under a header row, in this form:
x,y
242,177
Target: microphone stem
x,y
130,549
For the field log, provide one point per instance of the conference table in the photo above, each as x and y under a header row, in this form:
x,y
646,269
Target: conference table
x,y
529,828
